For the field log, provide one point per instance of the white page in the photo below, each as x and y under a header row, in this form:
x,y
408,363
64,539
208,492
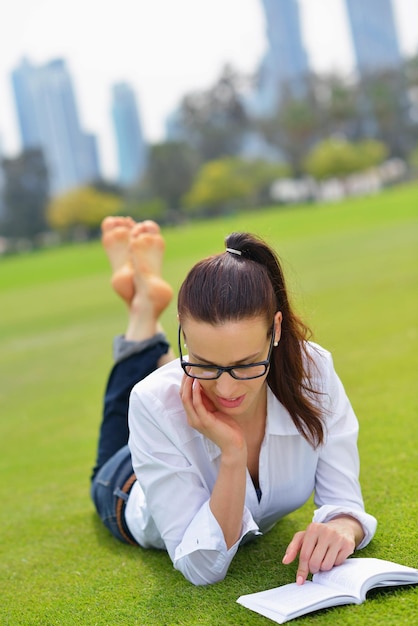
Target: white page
x,y
342,585
291,599
356,576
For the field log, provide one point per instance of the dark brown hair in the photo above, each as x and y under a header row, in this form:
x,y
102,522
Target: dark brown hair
x,y
247,283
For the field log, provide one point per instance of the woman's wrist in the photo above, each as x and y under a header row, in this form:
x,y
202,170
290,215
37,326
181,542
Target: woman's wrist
x,y
349,524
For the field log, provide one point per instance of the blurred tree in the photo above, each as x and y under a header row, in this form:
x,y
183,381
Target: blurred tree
x,y
332,158
147,209
411,78
79,212
172,167
293,129
218,186
339,158
262,175
337,106
26,195
411,71
383,108
413,161
224,184
108,187
371,153
214,121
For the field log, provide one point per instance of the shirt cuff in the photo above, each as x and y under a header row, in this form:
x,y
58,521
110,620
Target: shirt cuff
x,y
204,533
369,523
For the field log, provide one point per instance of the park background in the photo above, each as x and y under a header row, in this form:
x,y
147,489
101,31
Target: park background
x,y
340,205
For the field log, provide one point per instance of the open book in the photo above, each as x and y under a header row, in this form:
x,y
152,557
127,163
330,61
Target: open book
x,y
344,584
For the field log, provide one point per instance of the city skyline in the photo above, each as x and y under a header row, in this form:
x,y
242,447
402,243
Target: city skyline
x,y
48,118
160,54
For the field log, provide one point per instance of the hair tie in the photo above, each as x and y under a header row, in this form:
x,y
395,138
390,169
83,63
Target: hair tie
x,y
232,251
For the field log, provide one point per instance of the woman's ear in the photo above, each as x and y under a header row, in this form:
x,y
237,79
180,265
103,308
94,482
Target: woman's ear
x,y
277,327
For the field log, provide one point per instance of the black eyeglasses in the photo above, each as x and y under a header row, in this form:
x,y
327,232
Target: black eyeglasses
x,y
212,372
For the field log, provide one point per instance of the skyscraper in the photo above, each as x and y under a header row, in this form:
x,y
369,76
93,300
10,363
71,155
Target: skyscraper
x,y
131,147
285,63
48,119
374,35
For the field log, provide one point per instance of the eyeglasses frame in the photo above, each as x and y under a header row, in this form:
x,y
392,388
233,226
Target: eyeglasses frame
x,y
229,369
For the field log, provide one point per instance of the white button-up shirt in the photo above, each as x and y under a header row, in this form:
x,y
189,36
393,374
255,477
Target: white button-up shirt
x,y
177,467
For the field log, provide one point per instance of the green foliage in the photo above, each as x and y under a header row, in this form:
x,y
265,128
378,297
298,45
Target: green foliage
x,y
84,208
148,209
371,153
413,160
339,158
292,130
214,121
219,184
352,270
226,183
171,170
384,102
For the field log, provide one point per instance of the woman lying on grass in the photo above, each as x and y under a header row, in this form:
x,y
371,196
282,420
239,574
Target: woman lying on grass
x,y
229,439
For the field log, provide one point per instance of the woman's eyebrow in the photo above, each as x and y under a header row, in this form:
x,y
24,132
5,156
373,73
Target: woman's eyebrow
x,y
205,362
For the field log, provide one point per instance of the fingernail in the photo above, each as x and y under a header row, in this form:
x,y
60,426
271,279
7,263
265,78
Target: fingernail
x,y
299,580
284,560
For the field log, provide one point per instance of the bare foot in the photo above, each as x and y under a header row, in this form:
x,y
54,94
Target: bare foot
x,y
152,292
115,239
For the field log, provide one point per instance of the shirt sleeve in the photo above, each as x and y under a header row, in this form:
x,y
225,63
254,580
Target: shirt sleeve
x,y
337,487
177,494
202,556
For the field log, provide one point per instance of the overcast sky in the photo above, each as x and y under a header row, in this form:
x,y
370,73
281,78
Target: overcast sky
x,y
163,48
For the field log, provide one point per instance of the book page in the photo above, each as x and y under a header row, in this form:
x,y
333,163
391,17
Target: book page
x,y
357,576
292,600
344,584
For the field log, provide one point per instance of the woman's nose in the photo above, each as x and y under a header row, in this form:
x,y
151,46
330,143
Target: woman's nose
x,y
226,386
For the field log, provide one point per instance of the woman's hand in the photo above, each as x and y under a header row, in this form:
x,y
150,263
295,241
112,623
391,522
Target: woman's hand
x,y
202,415
321,546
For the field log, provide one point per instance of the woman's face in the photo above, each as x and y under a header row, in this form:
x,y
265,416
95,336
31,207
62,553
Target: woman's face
x,y
232,343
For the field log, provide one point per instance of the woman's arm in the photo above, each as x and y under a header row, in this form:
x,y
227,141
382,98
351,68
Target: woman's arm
x,y
228,495
340,523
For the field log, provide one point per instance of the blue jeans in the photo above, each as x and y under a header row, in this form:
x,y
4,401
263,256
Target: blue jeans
x,y
113,475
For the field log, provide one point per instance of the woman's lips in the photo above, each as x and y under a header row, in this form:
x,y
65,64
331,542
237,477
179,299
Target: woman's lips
x,y
230,403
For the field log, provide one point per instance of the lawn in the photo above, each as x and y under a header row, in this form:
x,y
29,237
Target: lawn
x,y
352,270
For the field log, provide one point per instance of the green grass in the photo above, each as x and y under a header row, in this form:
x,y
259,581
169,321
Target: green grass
x,y
352,270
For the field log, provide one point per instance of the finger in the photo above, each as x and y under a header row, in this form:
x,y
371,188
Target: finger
x,y
345,551
186,388
293,547
307,548
197,398
312,551
324,561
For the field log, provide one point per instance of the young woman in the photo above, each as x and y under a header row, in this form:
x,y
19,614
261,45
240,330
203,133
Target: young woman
x,y
227,440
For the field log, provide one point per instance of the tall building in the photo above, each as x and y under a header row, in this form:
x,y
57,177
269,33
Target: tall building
x,y
285,64
48,119
131,146
374,36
